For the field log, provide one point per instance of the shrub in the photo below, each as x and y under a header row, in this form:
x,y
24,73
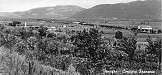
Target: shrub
x,y
118,35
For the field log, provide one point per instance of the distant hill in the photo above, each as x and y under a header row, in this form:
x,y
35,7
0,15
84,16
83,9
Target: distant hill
x,y
149,9
46,12
8,15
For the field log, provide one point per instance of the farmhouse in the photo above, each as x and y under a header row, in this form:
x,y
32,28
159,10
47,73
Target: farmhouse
x,y
51,28
143,28
76,22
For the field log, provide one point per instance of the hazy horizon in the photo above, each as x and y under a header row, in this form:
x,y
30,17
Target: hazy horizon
x,y
24,5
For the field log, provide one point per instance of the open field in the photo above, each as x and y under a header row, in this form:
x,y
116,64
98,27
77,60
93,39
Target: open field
x,y
109,32
129,24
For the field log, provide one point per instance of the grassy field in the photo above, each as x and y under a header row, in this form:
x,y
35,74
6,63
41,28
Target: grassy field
x,y
155,25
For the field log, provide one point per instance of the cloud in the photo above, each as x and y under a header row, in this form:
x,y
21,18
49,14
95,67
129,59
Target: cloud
x,y
16,5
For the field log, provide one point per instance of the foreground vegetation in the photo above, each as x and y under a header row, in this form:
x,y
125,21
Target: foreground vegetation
x,y
74,53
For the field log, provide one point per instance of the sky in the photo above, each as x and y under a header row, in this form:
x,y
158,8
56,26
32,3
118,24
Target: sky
x,y
24,5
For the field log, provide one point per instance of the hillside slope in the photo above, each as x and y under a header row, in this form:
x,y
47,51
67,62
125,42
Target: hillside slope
x,y
58,12
149,9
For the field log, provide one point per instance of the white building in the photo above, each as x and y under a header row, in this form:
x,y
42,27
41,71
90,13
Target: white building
x,y
51,28
76,22
145,28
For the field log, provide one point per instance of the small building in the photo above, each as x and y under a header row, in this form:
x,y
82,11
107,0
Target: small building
x,y
145,28
64,26
51,28
76,22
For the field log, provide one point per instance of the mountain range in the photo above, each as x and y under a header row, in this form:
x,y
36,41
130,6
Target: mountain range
x,y
148,9
58,12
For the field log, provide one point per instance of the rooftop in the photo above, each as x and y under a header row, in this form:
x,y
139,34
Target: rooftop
x,y
145,26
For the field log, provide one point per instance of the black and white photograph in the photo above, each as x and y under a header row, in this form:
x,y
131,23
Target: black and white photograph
x,y
80,37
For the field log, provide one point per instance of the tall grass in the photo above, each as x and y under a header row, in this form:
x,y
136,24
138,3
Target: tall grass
x,y
14,64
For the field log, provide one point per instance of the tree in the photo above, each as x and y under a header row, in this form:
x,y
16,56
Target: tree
x,y
42,31
47,46
159,31
154,48
7,39
28,48
87,43
118,35
128,45
14,23
90,46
